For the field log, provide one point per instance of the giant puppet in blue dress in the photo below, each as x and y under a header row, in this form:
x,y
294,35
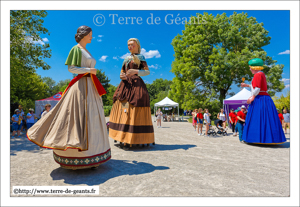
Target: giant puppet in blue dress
x,y
262,125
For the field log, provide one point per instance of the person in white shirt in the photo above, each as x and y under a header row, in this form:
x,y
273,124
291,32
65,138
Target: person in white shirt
x,y
30,119
47,107
159,115
222,116
207,120
286,120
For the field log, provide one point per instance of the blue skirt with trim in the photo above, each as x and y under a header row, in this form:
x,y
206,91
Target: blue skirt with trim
x,y
262,122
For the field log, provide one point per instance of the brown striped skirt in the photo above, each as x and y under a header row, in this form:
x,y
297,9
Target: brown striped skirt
x,y
130,124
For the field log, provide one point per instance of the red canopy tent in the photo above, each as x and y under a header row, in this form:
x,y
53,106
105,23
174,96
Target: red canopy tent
x,y
40,104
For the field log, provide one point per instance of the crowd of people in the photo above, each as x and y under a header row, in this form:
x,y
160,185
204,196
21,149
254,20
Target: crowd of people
x,y
236,120
21,122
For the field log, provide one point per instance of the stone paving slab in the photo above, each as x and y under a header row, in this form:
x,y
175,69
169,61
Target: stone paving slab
x,y
180,164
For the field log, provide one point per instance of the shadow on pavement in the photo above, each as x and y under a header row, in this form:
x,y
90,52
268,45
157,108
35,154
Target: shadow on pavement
x,y
161,147
21,144
284,145
109,170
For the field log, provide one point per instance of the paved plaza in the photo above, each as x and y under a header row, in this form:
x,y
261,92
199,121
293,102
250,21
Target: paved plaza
x,y
180,164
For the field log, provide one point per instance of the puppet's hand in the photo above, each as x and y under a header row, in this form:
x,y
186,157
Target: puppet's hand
x,y
123,76
131,72
249,101
244,85
93,71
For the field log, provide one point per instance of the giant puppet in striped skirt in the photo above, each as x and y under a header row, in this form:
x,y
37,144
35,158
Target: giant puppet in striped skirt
x,y
130,118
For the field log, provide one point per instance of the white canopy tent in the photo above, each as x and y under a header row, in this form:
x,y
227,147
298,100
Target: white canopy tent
x,y
166,102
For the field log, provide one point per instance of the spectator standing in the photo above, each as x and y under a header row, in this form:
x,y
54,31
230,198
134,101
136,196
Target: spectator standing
x,y
236,129
22,114
159,115
222,116
200,121
16,125
280,116
232,118
241,121
194,115
30,118
286,121
47,109
207,120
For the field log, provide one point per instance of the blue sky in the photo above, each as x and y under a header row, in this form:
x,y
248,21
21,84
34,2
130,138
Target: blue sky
x,y
110,40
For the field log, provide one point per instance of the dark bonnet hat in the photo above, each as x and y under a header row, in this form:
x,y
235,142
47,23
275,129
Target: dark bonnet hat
x,y
82,31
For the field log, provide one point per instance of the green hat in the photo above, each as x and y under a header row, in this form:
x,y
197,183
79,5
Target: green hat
x,y
256,64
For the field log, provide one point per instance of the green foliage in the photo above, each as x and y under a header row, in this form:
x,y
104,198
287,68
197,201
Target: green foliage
x,y
105,83
27,104
107,110
282,102
158,90
109,95
27,51
30,87
212,56
51,85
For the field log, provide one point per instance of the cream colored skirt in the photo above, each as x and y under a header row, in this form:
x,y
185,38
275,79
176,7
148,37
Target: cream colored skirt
x,y
75,128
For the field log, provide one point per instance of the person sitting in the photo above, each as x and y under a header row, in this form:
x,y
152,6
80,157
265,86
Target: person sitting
x,y
219,123
169,117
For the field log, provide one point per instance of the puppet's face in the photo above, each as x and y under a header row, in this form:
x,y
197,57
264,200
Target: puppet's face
x,y
88,38
253,71
133,47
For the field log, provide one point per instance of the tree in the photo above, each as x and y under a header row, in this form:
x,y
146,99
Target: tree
x,y
51,85
212,56
105,83
30,88
282,102
27,50
109,95
158,90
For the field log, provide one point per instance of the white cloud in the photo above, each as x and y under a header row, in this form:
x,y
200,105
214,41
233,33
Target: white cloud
x,y
45,39
287,86
150,53
115,58
156,66
41,42
125,55
99,38
284,53
161,74
103,58
285,80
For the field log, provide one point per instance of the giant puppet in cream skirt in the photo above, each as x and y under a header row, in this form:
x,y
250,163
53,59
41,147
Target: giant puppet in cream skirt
x,y
75,128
